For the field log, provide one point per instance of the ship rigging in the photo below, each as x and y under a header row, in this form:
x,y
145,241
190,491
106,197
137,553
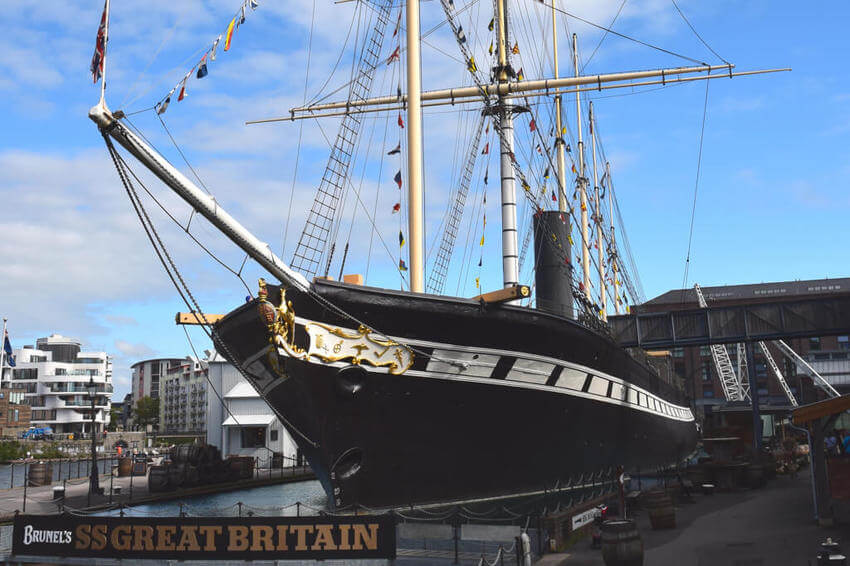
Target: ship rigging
x,y
358,373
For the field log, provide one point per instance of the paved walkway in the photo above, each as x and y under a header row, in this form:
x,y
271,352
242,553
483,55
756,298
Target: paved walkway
x,y
126,491
771,526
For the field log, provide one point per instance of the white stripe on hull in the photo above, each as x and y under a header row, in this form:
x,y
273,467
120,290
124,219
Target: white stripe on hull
x,y
530,371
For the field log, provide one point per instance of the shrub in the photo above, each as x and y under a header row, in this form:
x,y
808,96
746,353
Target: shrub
x,y
10,450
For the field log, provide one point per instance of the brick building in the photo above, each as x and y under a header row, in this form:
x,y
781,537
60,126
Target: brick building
x,y
14,414
829,355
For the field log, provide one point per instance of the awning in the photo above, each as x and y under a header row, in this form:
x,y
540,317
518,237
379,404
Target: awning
x,y
241,390
249,420
825,408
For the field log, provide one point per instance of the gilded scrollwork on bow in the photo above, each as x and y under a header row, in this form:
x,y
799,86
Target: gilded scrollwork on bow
x,y
279,320
327,343
331,344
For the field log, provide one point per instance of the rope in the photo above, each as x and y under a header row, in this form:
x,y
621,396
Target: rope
x,y
696,190
171,269
300,131
696,33
624,36
604,35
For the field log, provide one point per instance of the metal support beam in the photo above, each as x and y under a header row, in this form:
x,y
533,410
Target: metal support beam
x,y
754,394
827,316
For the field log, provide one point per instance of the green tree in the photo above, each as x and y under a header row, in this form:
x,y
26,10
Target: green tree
x,y
10,450
114,419
147,411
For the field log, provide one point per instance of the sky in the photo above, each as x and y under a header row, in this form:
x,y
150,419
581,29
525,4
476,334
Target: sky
x,y
772,201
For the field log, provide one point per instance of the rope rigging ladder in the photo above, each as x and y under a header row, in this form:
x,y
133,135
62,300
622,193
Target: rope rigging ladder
x,y
312,244
454,214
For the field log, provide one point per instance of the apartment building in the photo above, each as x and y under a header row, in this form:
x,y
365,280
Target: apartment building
x,y
53,379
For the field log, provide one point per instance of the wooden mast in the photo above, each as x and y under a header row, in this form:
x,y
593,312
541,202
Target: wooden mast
x,y
612,254
582,186
597,218
559,135
416,202
510,255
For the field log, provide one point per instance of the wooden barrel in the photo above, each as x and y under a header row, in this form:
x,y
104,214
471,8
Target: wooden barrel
x,y
40,473
662,515
125,467
176,474
191,476
240,468
621,543
654,498
180,454
193,455
158,479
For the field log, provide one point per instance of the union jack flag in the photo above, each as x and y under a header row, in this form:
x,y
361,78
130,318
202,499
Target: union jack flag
x,y
99,49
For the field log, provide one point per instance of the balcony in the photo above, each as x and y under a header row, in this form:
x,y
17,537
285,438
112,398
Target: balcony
x,y
85,403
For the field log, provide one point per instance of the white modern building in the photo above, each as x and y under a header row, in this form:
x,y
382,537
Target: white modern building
x,y
55,376
241,423
183,398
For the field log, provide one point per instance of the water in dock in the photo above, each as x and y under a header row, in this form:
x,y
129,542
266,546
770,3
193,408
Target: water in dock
x,y
14,474
288,499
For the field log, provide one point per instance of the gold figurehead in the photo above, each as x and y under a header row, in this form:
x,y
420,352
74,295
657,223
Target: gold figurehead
x,y
279,320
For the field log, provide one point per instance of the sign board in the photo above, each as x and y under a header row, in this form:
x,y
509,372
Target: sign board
x,y
586,517
206,538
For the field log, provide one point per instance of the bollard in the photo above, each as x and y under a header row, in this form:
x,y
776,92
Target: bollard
x,y
239,504
455,540
111,479
297,508
12,480
26,482
131,480
121,512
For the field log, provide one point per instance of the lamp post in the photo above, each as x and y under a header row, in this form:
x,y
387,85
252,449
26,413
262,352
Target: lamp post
x,y
94,482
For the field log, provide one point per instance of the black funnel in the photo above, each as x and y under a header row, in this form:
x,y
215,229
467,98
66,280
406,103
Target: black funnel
x,y
553,270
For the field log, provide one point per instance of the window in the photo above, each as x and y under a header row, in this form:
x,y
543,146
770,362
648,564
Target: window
x,y
704,350
273,435
844,342
708,393
790,368
706,371
678,352
814,343
15,415
253,437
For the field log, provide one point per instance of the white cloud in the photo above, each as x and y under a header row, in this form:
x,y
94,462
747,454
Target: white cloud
x,y
137,350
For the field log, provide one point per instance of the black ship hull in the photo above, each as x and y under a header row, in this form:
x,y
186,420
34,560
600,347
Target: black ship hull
x,y
481,401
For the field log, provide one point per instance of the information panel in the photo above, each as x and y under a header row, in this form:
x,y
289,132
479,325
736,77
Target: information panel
x,y
206,538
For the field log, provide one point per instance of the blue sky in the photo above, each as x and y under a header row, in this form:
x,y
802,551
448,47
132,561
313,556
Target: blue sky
x,y
772,202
